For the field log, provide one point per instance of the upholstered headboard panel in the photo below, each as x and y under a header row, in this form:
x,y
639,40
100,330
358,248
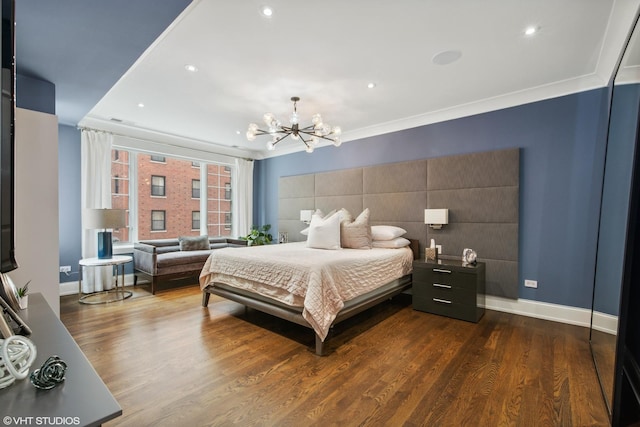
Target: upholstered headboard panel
x,y
481,191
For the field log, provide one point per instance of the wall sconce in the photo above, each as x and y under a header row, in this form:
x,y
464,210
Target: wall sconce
x,y
305,215
436,218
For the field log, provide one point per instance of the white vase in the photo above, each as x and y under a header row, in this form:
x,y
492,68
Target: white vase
x,y
24,302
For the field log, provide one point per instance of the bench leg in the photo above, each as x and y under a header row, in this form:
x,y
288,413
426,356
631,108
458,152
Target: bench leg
x,y
205,298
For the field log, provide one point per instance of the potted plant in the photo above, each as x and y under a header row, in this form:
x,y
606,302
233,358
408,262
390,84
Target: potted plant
x,y
258,236
22,294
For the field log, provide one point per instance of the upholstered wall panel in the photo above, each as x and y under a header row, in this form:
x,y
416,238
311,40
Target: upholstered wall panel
x,y
295,194
290,208
481,191
490,241
339,183
494,204
352,203
395,177
296,186
477,170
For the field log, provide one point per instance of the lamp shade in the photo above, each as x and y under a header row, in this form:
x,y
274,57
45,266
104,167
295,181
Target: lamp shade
x,y
436,216
104,218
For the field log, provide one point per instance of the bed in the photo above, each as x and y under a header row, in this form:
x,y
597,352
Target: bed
x,y
315,288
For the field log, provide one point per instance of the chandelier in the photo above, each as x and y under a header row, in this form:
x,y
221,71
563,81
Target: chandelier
x,y
309,135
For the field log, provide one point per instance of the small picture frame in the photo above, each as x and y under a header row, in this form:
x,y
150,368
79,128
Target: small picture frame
x,y
283,237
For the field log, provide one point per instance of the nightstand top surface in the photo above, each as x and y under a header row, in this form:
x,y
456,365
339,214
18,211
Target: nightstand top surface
x,y
447,263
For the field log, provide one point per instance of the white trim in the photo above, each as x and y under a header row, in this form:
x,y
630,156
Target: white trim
x,y
541,310
71,288
604,322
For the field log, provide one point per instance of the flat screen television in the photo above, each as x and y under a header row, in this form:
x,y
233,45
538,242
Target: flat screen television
x,y
7,139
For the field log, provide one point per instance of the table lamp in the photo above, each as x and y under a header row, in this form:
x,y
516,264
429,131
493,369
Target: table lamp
x,y
104,219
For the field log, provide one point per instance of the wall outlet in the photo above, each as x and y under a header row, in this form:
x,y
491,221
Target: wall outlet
x,y
439,248
65,269
530,283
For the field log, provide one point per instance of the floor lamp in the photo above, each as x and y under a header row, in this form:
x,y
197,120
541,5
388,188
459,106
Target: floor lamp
x,y
104,219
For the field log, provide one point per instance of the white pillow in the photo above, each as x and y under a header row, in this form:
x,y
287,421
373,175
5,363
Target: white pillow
x,y
398,242
324,233
386,232
318,212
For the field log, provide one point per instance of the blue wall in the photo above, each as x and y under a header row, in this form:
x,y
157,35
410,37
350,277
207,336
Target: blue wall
x,y
35,94
615,198
70,211
562,154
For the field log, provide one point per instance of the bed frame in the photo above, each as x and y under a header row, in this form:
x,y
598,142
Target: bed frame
x,y
294,314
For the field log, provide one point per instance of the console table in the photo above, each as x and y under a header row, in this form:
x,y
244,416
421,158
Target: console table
x,y
82,399
449,288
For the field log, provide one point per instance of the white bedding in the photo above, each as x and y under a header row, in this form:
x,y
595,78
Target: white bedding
x,y
318,280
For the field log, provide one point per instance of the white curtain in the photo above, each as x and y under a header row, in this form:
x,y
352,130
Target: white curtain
x,y
243,208
96,193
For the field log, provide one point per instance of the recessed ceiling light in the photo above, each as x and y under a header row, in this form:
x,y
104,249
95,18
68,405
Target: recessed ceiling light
x,y
191,67
266,11
446,57
371,85
529,31
140,105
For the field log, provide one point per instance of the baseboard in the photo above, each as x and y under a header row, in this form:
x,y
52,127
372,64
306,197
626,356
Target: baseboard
x,y
541,310
604,322
70,288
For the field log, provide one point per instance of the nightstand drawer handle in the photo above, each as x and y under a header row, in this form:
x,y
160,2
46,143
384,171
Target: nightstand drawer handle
x,y
438,270
441,300
439,285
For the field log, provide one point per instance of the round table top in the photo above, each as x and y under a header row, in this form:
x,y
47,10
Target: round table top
x,y
114,260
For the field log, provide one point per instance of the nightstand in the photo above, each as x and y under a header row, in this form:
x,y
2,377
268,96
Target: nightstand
x,y
449,288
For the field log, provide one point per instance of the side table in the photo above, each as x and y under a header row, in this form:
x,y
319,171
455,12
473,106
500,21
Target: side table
x,y
112,295
449,288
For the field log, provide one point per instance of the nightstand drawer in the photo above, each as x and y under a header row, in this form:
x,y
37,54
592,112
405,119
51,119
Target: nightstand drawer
x,y
449,292
444,307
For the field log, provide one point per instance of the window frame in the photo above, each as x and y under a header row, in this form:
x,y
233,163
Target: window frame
x,y
164,186
193,189
164,220
135,147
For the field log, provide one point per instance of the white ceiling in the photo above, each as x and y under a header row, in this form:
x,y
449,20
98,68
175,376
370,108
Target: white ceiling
x,y
327,52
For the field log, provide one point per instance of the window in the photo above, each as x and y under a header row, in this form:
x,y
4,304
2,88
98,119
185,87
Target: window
x,y
195,188
195,164
227,191
157,185
218,206
158,222
195,220
158,159
120,192
196,200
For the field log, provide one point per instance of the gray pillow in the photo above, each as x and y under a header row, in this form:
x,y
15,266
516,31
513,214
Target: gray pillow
x,y
190,243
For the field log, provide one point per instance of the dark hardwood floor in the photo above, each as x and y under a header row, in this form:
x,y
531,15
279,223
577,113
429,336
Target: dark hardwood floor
x,y
168,361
